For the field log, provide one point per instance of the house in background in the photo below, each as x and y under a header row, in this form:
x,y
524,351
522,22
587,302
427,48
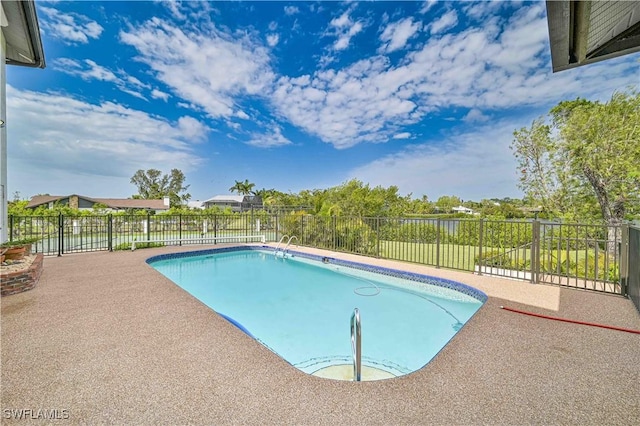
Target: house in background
x,y
82,202
237,203
195,204
463,209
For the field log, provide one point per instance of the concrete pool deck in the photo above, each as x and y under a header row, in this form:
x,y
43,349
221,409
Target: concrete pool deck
x,y
110,340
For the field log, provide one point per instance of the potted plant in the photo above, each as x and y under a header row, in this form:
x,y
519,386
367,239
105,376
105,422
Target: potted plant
x,y
17,249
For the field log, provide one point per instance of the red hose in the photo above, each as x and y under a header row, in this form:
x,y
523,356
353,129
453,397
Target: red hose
x,y
610,327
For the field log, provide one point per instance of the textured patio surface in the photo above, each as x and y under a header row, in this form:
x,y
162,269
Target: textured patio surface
x,y
112,341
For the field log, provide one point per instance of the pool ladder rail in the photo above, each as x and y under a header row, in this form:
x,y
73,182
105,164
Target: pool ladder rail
x,y
286,247
356,344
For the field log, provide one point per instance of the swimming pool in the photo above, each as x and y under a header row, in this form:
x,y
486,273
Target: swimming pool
x,y
299,306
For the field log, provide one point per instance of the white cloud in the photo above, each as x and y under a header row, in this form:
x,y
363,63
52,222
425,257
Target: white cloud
x,y
473,165
396,34
203,65
271,139
192,130
69,27
89,70
273,39
484,9
403,135
291,10
345,107
345,29
157,94
372,100
475,115
58,138
445,22
427,5
241,114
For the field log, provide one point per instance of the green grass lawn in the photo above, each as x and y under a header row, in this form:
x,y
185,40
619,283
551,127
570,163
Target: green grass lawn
x,y
580,263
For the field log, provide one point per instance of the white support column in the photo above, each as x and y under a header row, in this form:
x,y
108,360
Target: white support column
x,y
4,219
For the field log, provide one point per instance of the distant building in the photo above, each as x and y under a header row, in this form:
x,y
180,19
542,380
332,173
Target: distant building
x,y
81,202
195,204
462,209
237,203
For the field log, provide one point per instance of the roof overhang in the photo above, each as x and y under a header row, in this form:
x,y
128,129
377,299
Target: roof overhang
x,y
586,31
21,31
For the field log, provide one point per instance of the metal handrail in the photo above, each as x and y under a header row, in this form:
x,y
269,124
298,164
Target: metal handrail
x,y
280,242
356,344
289,243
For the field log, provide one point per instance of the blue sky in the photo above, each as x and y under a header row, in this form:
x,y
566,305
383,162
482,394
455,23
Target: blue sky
x,y
290,95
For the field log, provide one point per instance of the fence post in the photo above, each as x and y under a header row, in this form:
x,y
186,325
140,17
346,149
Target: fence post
x,y
215,229
334,220
180,229
10,227
110,231
148,226
378,236
302,230
437,242
624,260
60,234
277,227
535,252
481,261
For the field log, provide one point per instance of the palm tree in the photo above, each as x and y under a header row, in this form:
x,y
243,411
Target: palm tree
x,y
243,188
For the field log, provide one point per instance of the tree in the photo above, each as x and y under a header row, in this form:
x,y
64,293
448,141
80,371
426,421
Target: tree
x,y
534,150
446,203
152,184
590,159
243,188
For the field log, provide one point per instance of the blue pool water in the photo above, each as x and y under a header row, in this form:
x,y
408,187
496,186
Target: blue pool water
x,y
300,308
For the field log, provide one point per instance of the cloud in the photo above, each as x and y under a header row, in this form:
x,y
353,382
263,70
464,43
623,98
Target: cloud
x,y
480,70
272,39
202,65
56,135
291,10
473,165
89,70
475,115
403,135
427,5
445,22
483,9
241,114
157,94
396,34
68,27
273,138
345,29
357,104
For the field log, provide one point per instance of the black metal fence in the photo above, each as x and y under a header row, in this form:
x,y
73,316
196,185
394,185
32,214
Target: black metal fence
x,y
633,267
592,257
58,235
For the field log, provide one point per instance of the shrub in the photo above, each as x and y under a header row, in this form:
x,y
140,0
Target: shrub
x,y
140,245
494,258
